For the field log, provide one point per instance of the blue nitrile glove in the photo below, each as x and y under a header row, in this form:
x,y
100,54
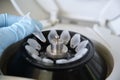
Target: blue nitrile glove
x,y
7,19
14,28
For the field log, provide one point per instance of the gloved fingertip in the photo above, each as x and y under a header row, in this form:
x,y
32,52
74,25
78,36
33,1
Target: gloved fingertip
x,y
2,20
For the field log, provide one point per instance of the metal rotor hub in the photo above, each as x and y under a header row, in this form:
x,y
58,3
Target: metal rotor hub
x,y
57,49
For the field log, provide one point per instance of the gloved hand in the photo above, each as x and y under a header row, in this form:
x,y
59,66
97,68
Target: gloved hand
x,y
14,28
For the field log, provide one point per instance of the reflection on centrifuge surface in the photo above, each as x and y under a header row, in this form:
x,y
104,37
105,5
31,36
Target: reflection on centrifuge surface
x,y
98,66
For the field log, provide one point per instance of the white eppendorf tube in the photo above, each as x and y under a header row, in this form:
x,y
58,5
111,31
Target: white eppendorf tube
x,y
38,32
50,7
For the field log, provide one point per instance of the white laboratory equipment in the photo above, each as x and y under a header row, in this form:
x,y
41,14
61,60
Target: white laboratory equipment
x,y
90,23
